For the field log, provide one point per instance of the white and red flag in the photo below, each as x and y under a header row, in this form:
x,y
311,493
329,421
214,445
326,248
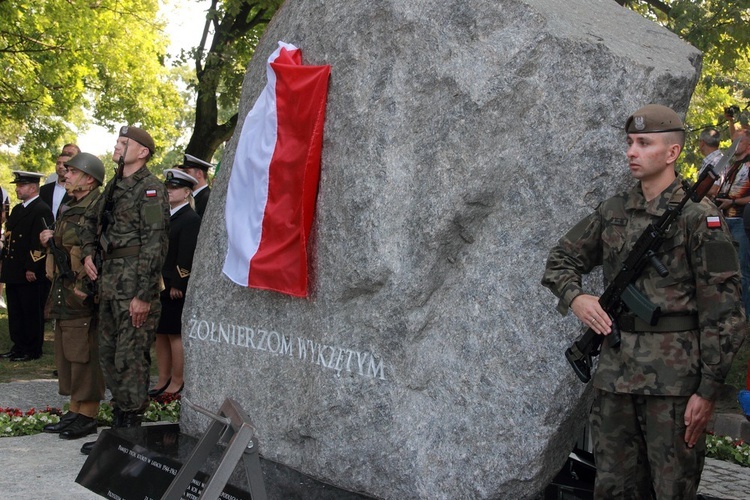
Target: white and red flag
x,y
274,181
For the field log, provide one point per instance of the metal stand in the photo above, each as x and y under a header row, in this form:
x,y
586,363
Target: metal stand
x,y
233,428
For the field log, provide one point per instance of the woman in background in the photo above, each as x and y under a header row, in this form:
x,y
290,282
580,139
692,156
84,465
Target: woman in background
x,y
184,224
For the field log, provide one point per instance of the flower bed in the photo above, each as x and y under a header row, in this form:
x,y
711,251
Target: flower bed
x,y
15,422
728,449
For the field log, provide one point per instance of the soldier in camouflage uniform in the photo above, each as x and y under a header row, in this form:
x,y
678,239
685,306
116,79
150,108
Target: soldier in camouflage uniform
x,y
655,393
133,248
71,304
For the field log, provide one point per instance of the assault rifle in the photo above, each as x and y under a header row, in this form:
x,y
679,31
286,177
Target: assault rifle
x,y
102,245
61,258
621,294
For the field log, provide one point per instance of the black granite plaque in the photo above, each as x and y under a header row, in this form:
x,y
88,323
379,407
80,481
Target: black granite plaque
x,y
140,464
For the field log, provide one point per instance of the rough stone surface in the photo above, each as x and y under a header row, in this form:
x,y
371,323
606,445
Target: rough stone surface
x,y
462,138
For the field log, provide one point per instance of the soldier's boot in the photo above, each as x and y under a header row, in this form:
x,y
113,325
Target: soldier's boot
x,y
131,419
116,421
116,417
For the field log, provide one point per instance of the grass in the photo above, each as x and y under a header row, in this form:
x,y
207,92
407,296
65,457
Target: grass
x,y
28,370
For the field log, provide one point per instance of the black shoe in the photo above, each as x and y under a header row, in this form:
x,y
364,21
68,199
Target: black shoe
x,y
54,373
9,354
158,390
82,426
21,358
64,422
87,447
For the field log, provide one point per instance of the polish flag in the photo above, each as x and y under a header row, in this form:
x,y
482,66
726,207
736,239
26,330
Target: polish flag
x,y
274,181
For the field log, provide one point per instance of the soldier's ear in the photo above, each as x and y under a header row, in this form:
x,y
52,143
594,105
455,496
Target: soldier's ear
x,y
673,153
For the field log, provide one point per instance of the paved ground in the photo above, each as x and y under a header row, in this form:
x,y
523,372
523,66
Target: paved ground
x,y
44,467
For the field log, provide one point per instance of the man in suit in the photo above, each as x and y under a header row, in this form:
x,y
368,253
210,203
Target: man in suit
x,y
53,193
198,168
23,269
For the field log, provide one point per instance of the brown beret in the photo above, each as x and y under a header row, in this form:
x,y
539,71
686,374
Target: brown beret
x,y
653,118
138,135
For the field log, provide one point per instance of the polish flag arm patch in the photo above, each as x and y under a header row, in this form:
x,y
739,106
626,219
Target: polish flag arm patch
x,y
150,193
713,222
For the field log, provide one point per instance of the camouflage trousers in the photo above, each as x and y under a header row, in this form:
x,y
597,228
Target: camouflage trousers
x,y
640,448
124,352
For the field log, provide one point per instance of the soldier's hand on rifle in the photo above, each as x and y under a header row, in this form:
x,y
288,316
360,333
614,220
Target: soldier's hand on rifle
x,y
724,203
589,311
90,267
45,235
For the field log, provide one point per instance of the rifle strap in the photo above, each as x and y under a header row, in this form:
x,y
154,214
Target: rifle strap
x,y
676,323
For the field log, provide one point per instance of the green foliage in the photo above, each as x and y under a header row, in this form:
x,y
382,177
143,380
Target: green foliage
x,y
61,57
236,27
719,29
157,411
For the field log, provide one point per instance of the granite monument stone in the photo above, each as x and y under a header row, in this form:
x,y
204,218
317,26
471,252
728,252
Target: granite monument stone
x,y
461,139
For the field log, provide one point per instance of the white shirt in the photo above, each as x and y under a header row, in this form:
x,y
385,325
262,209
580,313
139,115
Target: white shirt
x,y
174,210
57,196
26,203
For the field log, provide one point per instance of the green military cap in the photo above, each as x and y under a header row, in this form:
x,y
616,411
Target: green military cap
x,y
21,177
653,118
138,135
88,164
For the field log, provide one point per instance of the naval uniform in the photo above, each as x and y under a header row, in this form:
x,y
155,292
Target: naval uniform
x,y
184,226
23,252
201,200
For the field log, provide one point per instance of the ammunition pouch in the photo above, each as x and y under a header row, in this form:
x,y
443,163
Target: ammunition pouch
x,y
666,323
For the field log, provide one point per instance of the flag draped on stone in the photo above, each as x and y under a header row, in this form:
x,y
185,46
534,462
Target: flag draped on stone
x,y
274,180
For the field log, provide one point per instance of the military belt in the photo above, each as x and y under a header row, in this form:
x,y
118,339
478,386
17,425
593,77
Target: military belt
x,y
667,323
119,253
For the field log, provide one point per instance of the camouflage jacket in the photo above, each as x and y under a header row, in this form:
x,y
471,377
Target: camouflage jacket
x,y
704,279
140,222
62,302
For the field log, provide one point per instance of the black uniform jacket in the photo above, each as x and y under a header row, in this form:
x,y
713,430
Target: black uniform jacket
x,y
183,236
23,251
201,199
